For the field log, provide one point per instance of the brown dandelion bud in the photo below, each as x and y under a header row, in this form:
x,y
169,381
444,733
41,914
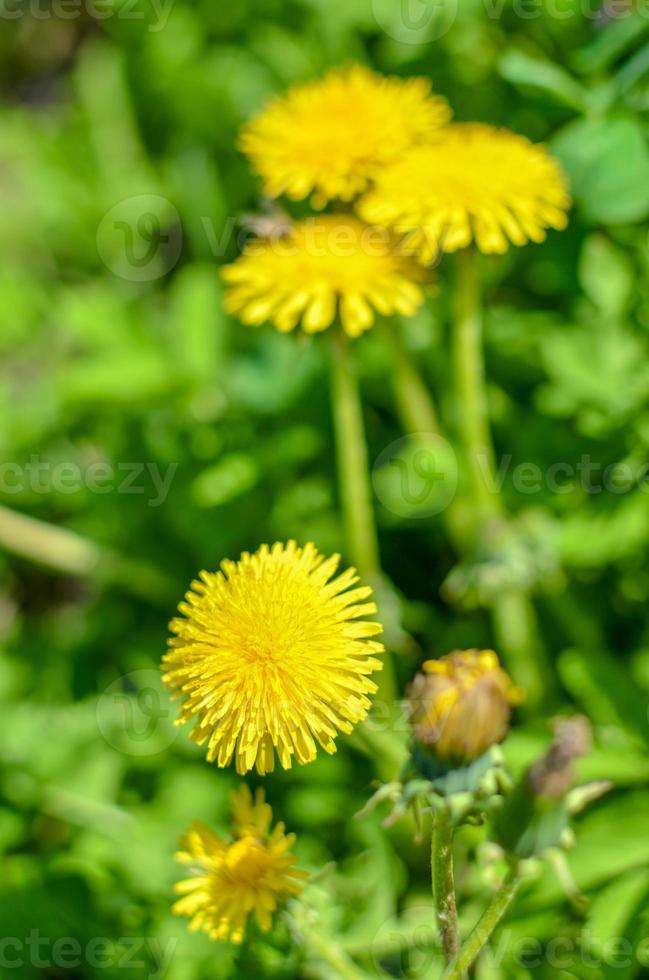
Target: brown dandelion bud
x,y
461,704
535,814
552,775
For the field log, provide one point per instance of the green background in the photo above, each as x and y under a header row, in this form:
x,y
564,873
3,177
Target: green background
x,y
119,121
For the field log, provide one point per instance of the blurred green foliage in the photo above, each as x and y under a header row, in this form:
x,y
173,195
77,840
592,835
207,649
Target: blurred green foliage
x,y
118,121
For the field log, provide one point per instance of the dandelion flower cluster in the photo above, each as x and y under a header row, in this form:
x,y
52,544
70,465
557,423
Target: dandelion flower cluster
x,y
328,137
230,879
273,654
326,266
461,704
472,183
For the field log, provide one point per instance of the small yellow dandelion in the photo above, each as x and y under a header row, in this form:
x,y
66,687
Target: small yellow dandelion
x,y
254,871
327,137
327,266
273,654
461,705
471,183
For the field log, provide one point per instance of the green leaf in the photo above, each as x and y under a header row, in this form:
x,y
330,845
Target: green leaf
x,y
608,45
616,903
233,475
606,275
198,323
607,162
634,70
528,72
599,682
599,375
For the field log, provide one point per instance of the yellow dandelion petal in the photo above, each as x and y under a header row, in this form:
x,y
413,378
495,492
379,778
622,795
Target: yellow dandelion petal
x,y
471,183
326,138
250,816
271,657
325,266
230,879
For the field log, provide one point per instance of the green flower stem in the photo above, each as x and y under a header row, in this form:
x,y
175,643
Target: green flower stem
x,y
468,368
354,479
418,414
415,404
501,901
513,613
516,634
441,862
353,459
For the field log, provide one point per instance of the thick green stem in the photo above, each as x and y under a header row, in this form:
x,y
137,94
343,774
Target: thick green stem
x,y
354,479
471,949
517,636
353,459
441,862
468,368
414,402
418,414
512,611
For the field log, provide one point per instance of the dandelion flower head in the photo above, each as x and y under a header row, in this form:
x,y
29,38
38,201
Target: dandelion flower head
x,y
327,137
273,655
254,871
471,183
326,267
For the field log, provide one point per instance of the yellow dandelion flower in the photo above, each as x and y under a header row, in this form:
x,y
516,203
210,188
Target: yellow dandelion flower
x,y
472,183
327,137
273,654
327,266
461,705
230,879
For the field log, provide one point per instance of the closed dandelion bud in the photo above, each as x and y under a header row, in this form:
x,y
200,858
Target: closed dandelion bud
x,y
460,706
535,814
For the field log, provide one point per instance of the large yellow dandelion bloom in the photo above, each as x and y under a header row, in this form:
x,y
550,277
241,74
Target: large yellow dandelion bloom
x,y
230,879
460,705
273,655
326,266
328,137
472,183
